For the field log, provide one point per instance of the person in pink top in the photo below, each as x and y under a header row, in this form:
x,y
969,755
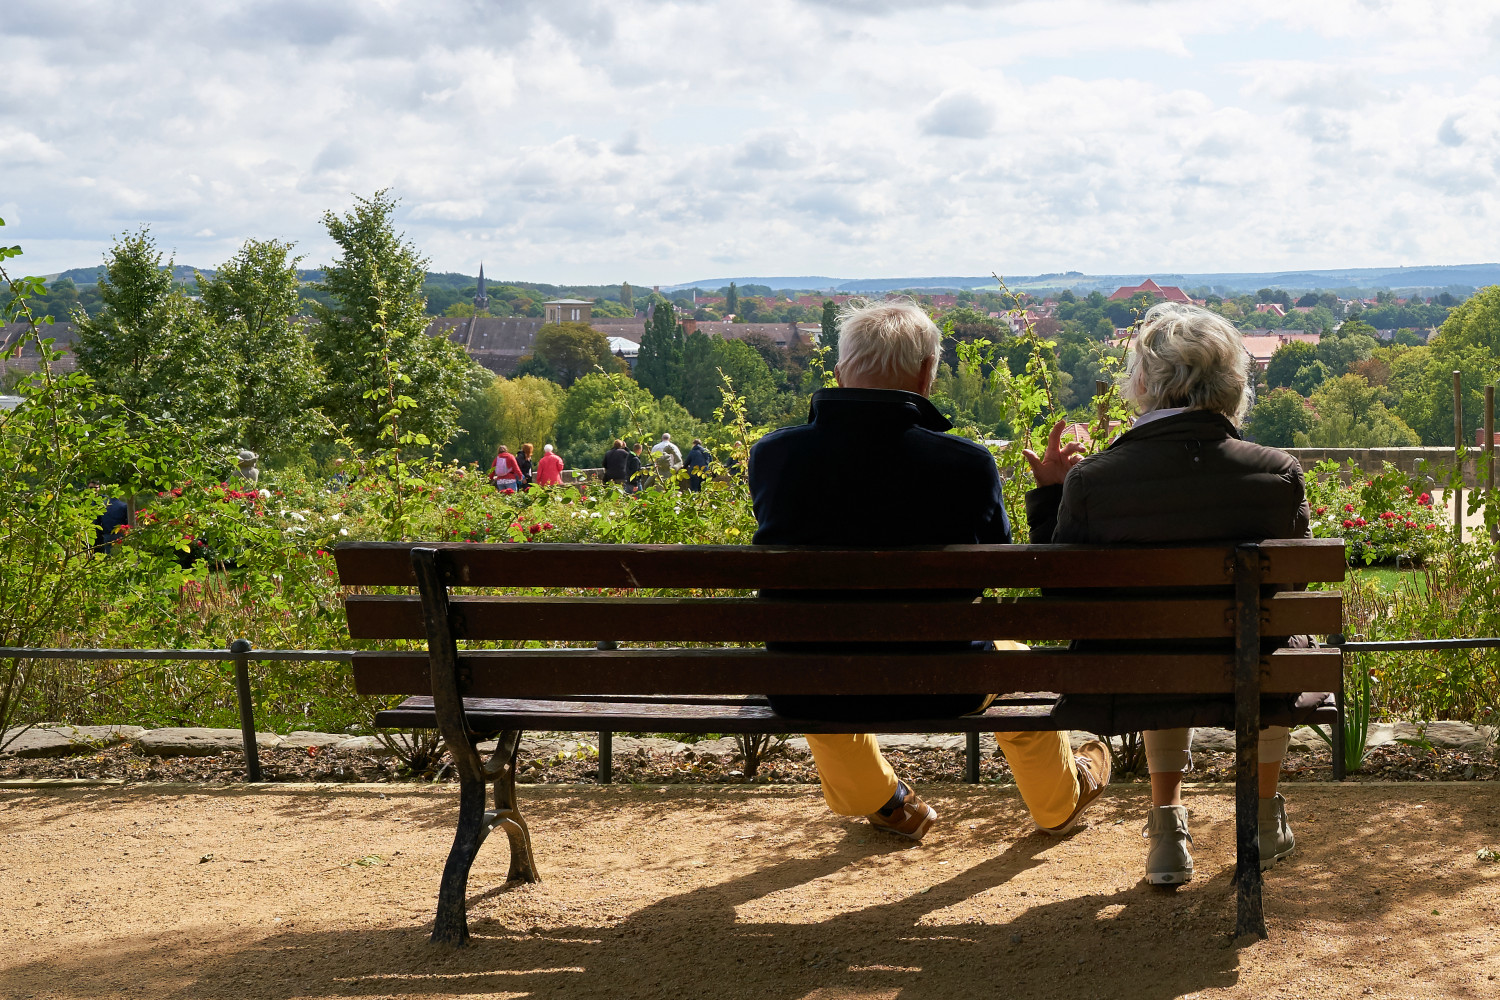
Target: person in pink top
x,y
506,472
549,469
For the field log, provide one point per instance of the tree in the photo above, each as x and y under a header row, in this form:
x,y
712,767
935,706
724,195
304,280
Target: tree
x,y
512,412
1351,415
1286,362
1309,377
254,299
599,409
627,297
572,350
153,347
658,367
1353,341
829,336
731,300
707,360
372,342
1278,417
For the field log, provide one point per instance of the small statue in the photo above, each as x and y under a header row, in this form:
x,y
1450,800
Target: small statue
x,y
247,469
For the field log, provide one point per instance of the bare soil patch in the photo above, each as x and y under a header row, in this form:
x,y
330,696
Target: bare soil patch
x,y
1393,762
713,891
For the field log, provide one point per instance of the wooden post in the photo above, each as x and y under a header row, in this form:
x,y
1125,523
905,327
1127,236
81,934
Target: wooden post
x,y
1458,445
1489,458
1250,915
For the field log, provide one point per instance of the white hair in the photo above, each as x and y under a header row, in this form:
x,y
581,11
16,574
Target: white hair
x,y
547,448
1187,356
891,338
665,436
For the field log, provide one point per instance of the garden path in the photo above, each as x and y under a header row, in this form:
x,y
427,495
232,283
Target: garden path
x,y
173,891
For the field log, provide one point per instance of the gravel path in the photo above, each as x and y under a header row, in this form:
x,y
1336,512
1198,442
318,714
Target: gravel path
x,y
191,891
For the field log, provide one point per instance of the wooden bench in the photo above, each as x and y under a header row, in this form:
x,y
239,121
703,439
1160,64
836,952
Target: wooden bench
x,y
718,685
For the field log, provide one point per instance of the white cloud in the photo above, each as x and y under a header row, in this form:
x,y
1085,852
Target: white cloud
x,y
582,140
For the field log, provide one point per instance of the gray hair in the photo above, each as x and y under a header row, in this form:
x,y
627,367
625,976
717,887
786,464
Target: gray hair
x,y
1187,356
893,337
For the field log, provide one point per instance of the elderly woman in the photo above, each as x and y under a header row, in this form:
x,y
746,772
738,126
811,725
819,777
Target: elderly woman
x,y
1180,474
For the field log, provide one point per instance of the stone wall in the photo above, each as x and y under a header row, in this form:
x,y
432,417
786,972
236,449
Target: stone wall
x,y
1432,462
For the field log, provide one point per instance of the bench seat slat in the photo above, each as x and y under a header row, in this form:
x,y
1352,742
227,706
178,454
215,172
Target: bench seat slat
x,y
550,672
487,715
743,619
751,567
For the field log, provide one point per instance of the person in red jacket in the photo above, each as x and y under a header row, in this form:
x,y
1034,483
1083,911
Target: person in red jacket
x,y
506,473
549,469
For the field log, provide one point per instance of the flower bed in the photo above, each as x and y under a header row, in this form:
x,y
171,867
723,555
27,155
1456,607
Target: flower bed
x,y
1382,519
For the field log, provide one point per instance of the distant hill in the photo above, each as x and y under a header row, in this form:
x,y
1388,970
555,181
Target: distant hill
x,y
1224,282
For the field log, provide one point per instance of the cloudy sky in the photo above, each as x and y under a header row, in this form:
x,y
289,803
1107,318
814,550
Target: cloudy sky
x,y
601,140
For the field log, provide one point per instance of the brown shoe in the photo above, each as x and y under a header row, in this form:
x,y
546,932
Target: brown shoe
x,y
911,819
1094,768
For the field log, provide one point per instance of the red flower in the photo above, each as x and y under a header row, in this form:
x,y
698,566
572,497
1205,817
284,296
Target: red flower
x,y
1425,499
1431,526
1348,523
549,526
1360,521
322,553
536,529
1348,507
1320,510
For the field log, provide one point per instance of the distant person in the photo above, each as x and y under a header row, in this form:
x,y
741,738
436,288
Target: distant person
x,y
524,461
668,456
617,464
697,463
110,526
549,469
637,469
506,472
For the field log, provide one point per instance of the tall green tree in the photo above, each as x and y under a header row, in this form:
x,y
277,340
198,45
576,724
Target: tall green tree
x,y
707,361
627,297
731,300
599,409
372,342
572,350
152,347
254,299
1352,415
829,336
1353,341
1279,416
658,367
1286,361
508,411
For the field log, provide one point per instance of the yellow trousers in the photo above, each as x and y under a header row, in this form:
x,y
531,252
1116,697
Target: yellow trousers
x,y
857,779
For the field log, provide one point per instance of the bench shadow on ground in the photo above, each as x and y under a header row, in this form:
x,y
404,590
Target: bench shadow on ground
x,y
1135,942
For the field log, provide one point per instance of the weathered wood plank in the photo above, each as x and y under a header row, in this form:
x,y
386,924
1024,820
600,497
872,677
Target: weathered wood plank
x,y
668,619
544,673
750,567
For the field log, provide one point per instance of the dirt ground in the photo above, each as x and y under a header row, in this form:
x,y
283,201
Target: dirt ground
x,y
179,891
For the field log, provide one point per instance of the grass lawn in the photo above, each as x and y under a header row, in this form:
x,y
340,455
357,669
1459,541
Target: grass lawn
x,y
1388,578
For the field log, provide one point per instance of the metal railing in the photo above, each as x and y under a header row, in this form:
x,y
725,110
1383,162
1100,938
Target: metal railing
x,y
241,652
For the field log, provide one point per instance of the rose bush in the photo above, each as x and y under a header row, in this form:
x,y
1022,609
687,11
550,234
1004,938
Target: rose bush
x,y
1382,518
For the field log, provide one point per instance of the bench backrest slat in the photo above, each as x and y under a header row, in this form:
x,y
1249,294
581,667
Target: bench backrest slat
x,y
748,567
630,619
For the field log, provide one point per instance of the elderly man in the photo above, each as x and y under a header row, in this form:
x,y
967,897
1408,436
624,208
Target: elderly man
x,y
838,480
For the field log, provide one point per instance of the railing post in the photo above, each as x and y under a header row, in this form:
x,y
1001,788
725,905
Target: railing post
x,y
1458,450
971,758
606,757
1489,459
240,649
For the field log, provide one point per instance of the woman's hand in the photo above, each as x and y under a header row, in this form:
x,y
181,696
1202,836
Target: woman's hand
x,y
1051,468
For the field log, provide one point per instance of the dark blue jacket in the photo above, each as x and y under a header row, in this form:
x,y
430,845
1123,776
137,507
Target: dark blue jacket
x,y
873,468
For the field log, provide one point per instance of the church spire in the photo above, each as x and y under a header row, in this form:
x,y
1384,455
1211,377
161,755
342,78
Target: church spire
x,y
481,300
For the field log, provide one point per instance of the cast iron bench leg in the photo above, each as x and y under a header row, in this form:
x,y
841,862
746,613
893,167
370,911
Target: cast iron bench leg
x,y
505,814
451,925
